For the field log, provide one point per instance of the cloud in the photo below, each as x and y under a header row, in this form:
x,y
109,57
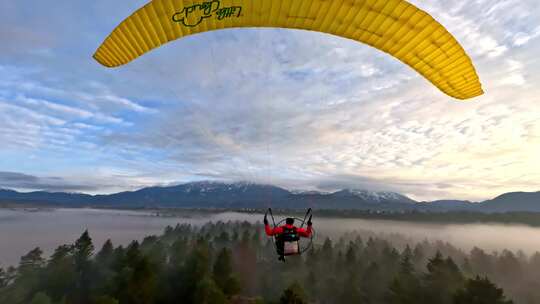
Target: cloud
x,y
15,180
10,111
67,111
103,180
522,38
125,103
294,108
391,128
22,38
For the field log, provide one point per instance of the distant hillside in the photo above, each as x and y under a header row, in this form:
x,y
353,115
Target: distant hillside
x,y
220,195
199,195
449,205
514,201
250,195
45,198
208,194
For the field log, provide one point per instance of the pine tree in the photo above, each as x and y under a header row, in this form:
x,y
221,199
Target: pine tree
x,y
104,266
157,254
371,250
312,258
327,251
405,266
482,262
466,267
82,253
28,279
207,292
105,256
418,256
106,300
41,298
339,262
136,279
294,294
133,254
246,260
389,261
32,261
223,239
179,250
223,273
142,283
405,287
509,264
60,273
255,239
195,270
3,278
11,274
350,292
442,280
372,283
480,291
312,285
329,287
350,256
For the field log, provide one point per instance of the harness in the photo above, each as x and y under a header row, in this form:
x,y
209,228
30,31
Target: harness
x,y
289,234
288,242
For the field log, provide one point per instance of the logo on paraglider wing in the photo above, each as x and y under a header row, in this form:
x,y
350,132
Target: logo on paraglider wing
x,y
192,16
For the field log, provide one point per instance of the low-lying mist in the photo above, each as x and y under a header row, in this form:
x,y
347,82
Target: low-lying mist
x,y
22,230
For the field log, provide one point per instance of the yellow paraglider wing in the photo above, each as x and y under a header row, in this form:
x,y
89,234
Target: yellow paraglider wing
x,y
393,26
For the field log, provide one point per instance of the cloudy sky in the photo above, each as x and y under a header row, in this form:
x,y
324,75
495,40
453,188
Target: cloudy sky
x,y
296,109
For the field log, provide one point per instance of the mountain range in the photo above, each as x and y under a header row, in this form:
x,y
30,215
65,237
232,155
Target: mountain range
x,y
209,194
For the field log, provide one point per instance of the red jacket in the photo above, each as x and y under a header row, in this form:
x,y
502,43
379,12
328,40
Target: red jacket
x,y
279,230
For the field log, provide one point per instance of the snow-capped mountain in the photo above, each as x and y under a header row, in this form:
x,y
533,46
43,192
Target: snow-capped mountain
x,y
375,197
216,194
309,192
211,186
212,194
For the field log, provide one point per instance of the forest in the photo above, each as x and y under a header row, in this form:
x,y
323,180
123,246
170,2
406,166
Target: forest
x,y
235,262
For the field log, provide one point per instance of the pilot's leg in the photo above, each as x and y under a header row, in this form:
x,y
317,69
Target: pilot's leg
x,y
280,246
